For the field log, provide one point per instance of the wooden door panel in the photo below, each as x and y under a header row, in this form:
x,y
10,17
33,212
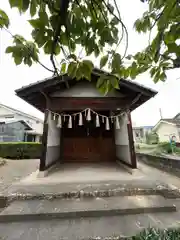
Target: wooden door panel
x,y
98,146
75,149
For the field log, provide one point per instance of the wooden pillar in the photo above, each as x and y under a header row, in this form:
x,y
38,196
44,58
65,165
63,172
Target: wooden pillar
x,y
131,141
42,166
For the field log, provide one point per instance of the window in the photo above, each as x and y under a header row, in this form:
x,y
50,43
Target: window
x,y
1,128
8,116
29,122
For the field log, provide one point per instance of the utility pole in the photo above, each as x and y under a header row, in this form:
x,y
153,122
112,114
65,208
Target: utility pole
x,y
160,111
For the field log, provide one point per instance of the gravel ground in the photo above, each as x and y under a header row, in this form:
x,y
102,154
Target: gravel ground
x,y
14,170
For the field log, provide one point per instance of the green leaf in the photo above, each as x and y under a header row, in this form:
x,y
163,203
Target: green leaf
x,y
96,51
79,73
4,20
14,3
126,73
44,18
114,21
133,72
110,7
72,56
39,37
89,64
108,87
129,57
25,5
17,3
102,88
72,68
116,63
63,68
18,59
86,67
169,38
37,23
114,82
137,25
48,47
28,61
33,7
157,76
57,49
103,61
152,71
173,47
9,49
100,81
162,76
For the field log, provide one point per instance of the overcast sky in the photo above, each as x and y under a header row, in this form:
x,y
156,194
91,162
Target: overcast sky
x,y
13,77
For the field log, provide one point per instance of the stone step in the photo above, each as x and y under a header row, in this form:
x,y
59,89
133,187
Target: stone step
x,y
68,191
31,210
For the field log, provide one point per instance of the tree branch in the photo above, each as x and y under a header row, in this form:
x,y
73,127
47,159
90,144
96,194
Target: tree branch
x,y
64,4
119,19
29,50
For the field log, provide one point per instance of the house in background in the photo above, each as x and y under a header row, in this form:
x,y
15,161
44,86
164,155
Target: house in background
x,y
166,128
19,126
139,133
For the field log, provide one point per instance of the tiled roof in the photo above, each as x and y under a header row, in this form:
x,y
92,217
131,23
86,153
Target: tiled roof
x,y
171,120
95,71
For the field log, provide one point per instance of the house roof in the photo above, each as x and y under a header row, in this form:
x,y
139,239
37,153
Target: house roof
x,y
144,127
20,112
168,121
33,93
8,121
172,121
177,115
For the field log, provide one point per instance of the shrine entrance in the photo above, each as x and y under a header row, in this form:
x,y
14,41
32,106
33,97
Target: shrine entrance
x,y
66,139
88,143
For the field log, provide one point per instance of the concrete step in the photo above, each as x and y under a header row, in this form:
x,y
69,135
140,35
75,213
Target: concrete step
x,y
78,208
102,189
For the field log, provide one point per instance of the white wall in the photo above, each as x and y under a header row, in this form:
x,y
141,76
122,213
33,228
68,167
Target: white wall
x,y
4,111
121,135
122,141
53,144
84,89
166,130
53,138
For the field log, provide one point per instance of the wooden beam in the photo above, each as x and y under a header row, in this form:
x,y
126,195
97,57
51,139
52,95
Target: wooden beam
x,y
62,104
131,142
42,166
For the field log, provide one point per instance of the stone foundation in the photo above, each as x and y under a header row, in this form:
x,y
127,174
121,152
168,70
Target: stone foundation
x,y
164,191
169,165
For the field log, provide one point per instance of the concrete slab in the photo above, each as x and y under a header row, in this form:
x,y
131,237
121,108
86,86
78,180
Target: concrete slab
x,y
74,180
83,173
75,208
83,228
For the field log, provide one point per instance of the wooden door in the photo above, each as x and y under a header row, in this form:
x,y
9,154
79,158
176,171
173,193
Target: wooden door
x,y
79,145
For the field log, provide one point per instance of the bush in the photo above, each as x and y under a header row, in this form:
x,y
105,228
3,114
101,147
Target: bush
x,y
20,150
152,138
165,147
157,234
